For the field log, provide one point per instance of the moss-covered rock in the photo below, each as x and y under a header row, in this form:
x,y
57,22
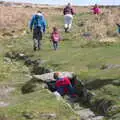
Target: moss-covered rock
x,y
32,86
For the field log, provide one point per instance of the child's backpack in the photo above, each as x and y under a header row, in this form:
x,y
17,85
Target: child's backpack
x,y
55,36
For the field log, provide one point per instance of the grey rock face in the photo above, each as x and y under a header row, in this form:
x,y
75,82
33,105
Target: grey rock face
x,y
46,116
49,76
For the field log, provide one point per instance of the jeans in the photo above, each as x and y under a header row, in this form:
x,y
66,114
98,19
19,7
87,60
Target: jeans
x,y
55,45
37,37
70,89
37,43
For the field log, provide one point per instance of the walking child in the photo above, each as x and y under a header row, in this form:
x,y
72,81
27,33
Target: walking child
x,y
55,38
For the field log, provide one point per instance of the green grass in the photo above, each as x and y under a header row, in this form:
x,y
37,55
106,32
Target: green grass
x,y
37,103
75,54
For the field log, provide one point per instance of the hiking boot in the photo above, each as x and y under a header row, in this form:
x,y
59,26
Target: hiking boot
x,y
66,30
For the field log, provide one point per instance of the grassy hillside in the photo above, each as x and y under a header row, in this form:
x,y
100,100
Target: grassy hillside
x,y
93,61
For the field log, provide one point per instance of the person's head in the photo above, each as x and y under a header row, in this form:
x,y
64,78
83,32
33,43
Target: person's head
x,y
56,75
39,11
69,5
55,29
96,5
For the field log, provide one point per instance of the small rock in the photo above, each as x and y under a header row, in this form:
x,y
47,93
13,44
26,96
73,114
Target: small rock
x,y
86,114
24,32
28,62
48,115
77,107
11,55
3,104
110,66
98,118
116,82
21,55
7,60
29,76
28,115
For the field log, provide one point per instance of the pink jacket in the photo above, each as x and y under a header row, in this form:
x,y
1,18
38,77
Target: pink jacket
x,y
55,36
96,10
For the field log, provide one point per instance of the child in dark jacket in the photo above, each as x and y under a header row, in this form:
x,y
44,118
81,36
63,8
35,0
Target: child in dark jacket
x,y
55,38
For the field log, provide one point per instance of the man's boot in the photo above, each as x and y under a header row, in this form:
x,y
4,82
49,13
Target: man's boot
x,y
66,29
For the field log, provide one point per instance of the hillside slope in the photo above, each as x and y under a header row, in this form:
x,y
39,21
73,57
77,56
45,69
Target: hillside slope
x,y
96,63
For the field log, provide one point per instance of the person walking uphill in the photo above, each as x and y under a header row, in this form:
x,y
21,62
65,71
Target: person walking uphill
x,y
38,25
68,17
55,38
96,9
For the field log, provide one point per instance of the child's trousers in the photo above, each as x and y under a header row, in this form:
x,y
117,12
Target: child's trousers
x,y
55,45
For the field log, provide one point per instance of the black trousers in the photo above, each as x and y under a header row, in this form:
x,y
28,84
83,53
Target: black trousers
x,y
37,37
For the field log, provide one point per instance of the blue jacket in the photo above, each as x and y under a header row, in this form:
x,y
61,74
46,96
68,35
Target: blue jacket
x,y
38,21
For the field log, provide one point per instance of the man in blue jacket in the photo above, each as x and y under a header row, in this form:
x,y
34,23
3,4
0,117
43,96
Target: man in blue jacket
x,y
38,25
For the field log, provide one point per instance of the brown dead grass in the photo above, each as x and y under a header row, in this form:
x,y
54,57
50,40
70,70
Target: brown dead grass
x,y
14,19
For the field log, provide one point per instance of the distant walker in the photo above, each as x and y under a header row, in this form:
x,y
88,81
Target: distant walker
x,y
68,17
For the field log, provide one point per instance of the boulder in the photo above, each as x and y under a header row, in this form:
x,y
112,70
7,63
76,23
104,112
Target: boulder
x,y
49,76
32,86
